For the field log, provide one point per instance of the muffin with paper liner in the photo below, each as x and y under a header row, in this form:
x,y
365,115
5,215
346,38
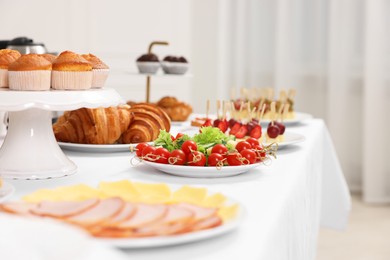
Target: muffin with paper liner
x,y
6,57
71,72
30,72
100,70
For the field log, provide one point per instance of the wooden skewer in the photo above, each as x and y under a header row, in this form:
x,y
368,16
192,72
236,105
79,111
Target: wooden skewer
x,y
273,112
262,113
241,108
224,104
232,110
218,107
280,111
285,110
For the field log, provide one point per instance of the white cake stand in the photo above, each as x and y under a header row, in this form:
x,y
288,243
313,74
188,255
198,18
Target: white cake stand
x,y
30,150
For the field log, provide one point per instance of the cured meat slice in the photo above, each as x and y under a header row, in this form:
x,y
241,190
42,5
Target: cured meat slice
x,y
103,211
200,213
20,208
63,209
145,214
210,222
125,214
176,220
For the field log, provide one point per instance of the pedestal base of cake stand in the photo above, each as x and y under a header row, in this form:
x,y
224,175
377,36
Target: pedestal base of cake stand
x,y
30,150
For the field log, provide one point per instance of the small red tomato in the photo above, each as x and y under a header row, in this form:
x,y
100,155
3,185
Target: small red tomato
x,y
219,148
260,153
243,145
148,153
189,146
249,155
162,155
215,159
177,157
179,135
273,131
234,159
196,159
139,148
253,141
242,132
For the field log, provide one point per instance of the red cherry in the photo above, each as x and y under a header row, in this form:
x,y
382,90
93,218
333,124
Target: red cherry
x,y
273,131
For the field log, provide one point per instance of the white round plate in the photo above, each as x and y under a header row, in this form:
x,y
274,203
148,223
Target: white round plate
x,y
151,242
299,117
202,172
97,148
6,191
289,139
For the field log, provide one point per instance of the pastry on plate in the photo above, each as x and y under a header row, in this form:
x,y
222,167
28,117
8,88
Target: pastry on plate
x,y
6,57
100,70
177,111
30,72
71,72
49,57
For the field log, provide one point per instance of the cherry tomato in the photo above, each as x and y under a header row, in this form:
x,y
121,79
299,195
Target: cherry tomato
x,y
253,141
139,148
243,145
234,159
249,155
273,131
215,159
162,155
219,148
172,138
179,135
260,153
189,146
196,159
177,157
148,153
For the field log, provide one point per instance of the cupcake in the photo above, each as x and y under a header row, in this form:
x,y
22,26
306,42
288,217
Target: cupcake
x,y
100,70
6,57
71,72
148,63
29,72
49,57
175,65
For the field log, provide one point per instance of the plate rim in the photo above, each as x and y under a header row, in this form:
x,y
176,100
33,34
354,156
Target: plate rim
x,y
286,144
97,148
9,193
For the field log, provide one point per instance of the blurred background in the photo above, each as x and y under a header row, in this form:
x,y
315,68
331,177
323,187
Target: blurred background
x,y
335,53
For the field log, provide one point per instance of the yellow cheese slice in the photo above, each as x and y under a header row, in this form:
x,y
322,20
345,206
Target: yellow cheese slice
x,y
123,189
190,195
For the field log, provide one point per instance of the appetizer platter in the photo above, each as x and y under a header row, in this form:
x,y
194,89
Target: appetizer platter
x,y
133,215
208,154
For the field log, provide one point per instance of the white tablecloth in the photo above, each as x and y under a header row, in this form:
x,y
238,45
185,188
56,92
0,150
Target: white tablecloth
x,y
285,202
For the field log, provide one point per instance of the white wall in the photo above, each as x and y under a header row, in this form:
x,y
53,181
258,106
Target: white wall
x,y
118,31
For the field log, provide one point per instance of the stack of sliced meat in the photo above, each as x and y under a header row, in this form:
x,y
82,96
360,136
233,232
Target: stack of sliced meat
x,y
115,218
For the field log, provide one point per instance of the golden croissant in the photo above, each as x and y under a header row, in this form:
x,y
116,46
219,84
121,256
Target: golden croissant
x,y
93,126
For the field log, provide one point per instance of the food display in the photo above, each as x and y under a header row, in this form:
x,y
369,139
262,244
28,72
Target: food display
x,y
122,124
253,100
30,72
175,65
100,70
210,147
148,63
177,111
6,57
125,209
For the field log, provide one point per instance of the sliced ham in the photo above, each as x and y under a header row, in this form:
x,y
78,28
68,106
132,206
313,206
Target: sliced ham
x,y
125,214
63,209
210,222
20,208
200,213
176,220
103,211
145,215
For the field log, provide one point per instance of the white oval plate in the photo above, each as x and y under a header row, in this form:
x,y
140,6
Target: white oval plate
x,y
299,117
150,242
6,191
202,172
97,148
289,139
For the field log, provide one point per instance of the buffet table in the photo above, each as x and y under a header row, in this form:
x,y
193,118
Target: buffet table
x,y
285,202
